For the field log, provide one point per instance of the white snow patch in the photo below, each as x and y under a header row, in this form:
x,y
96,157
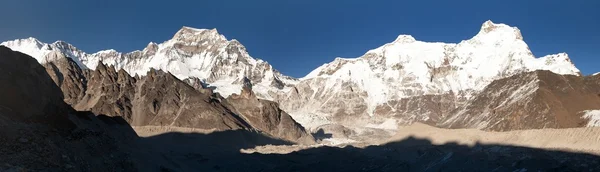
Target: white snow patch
x,y
389,124
309,120
593,116
226,87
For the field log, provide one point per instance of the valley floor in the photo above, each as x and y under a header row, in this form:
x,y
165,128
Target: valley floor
x,y
571,139
411,148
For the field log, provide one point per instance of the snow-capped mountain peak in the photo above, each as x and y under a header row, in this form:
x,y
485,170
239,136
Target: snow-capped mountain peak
x,y
192,52
558,63
39,50
194,35
26,46
491,32
151,48
27,41
405,39
408,68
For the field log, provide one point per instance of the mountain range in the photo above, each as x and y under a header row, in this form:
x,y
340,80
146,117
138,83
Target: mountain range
x,y
200,102
491,81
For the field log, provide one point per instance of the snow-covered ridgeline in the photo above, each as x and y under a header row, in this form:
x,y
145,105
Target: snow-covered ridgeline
x,y
407,67
200,53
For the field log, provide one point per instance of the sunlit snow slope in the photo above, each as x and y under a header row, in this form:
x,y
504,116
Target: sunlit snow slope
x,y
397,77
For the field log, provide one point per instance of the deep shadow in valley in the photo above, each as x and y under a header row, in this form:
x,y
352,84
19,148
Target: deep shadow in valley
x,y
91,149
220,151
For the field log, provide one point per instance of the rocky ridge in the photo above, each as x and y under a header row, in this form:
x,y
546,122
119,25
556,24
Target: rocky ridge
x,y
159,98
39,131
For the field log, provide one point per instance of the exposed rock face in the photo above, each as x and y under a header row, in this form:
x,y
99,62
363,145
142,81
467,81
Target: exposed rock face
x,y
593,83
164,100
426,109
532,100
40,132
161,99
108,92
157,99
266,116
67,75
28,93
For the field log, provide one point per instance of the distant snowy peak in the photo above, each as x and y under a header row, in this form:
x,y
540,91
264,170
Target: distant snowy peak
x,y
420,81
495,49
558,63
193,35
502,31
407,67
405,39
39,50
30,46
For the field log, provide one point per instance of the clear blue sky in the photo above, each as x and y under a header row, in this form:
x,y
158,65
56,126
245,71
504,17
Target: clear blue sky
x,y
298,36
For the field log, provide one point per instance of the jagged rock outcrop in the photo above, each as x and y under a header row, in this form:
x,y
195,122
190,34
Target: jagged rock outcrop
x,y
108,92
158,99
161,99
67,75
266,116
533,100
40,132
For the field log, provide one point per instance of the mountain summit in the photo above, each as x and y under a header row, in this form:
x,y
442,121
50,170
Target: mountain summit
x,y
410,80
199,53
